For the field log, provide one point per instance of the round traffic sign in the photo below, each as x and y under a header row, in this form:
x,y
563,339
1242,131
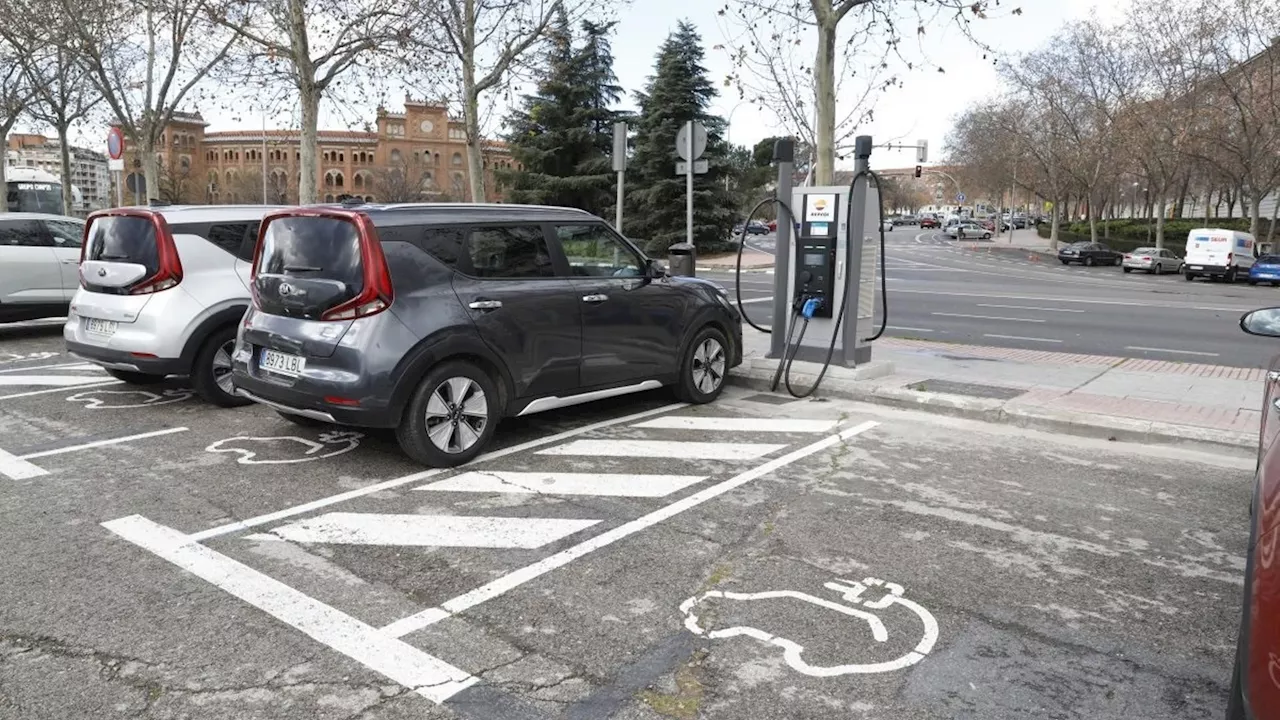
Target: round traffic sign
x,y
960,197
115,143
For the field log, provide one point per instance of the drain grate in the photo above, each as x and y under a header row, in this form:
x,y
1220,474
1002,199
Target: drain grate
x,y
958,388
770,399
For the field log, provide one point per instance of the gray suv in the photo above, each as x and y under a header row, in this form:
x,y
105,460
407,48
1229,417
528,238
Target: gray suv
x,y
439,320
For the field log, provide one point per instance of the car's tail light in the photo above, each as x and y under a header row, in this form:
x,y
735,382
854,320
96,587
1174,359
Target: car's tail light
x,y
1128,256
1146,258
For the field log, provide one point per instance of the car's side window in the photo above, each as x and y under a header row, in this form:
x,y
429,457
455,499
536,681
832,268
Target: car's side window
x,y
23,233
65,234
594,251
446,244
228,236
509,252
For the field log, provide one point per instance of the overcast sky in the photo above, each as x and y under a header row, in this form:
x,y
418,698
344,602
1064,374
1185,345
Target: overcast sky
x,y
924,108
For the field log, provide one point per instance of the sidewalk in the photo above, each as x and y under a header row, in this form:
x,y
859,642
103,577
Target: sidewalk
x,y
1116,398
751,260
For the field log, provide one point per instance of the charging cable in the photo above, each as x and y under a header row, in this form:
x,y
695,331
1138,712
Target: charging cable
x,y
742,243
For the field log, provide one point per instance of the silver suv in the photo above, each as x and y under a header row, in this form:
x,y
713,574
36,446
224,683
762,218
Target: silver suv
x,y
162,290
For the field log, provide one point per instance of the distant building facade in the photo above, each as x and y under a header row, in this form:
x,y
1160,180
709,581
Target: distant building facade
x,y
89,174
416,155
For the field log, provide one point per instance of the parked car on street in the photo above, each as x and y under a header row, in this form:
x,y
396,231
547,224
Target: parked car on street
x,y
1090,254
1156,261
1265,269
929,222
39,259
968,231
1254,691
440,320
162,292
1218,253
755,227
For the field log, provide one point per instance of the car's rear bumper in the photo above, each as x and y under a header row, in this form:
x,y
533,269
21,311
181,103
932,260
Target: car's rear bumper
x,y
123,360
1212,270
309,403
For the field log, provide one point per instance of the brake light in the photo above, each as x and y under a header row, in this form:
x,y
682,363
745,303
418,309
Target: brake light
x,y
1146,257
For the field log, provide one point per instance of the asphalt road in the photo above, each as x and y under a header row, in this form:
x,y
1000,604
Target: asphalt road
x,y
754,558
942,290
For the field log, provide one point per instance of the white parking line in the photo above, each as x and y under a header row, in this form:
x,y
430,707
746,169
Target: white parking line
x,y
467,531
240,525
988,317
668,450
404,664
16,468
744,302
100,443
562,483
60,389
1169,350
1019,337
1024,307
739,424
62,366
515,579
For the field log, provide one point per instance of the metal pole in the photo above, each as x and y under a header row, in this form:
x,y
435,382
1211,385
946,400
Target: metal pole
x,y
617,223
784,154
119,188
688,187
857,233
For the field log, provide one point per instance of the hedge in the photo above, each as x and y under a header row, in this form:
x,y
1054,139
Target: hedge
x,y
1127,235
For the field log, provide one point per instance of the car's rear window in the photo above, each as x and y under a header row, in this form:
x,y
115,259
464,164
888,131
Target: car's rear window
x,y
313,248
124,239
1269,260
1145,251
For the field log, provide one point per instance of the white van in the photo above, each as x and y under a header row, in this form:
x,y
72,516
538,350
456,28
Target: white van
x,y
1214,252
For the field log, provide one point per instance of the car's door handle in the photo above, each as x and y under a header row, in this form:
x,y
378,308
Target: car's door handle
x,y
594,298
70,262
485,305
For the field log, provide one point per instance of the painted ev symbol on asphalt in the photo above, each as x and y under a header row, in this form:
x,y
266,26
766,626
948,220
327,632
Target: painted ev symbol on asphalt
x,y
280,449
793,652
99,399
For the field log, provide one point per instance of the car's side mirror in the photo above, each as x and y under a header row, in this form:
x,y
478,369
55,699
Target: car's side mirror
x,y
657,269
1264,322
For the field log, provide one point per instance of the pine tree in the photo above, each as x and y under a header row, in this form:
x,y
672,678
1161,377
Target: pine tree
x,y
678,91
561,137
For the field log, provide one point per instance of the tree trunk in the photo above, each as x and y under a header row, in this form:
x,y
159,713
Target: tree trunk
x,y
1160,223
68,197
824,87
475,158
1053,225
4,183
1231,203
309,99
1255,209
1271,229
150,169
1093,219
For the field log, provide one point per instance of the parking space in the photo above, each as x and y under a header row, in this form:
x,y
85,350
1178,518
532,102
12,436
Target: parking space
x,y
634,558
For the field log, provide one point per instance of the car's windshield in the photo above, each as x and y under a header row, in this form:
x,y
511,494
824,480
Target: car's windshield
x,y
1269,260
35,197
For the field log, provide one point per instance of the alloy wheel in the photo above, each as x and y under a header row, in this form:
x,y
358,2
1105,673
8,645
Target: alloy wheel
x,y
457,415
222,367
708,366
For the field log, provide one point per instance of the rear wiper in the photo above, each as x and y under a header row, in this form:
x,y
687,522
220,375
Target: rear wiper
x,y
113,257
301,268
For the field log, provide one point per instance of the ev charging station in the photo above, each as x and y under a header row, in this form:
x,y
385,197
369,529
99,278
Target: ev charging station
x,y
825,280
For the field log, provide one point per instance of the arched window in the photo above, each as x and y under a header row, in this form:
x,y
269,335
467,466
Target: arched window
x,y
357,182
342,157
436,161
457,159
337,179
368,198
328,198
328,179
396,157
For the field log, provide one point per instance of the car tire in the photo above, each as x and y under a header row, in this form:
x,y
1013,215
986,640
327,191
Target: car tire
x,y
452,416
1253,283
704,367
1231,275
211,370
300,420
1158,269
135,378
1065,262
1128,270
1088,262
1189,277
986,236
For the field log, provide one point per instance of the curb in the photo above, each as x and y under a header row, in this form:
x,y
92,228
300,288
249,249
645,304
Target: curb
x,y
1103,427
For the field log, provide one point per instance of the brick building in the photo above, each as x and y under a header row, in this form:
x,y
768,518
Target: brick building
x,y
422,143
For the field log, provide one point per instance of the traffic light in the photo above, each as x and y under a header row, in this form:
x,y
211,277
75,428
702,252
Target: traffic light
x,y
919,170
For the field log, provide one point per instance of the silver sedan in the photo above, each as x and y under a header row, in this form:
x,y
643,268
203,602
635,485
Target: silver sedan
x,y
1157,261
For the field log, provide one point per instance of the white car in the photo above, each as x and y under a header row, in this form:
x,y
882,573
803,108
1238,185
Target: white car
x,y
886,226
965,230
39,255
162,292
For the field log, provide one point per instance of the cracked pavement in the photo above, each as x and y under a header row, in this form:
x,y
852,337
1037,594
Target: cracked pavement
x,y
1068,578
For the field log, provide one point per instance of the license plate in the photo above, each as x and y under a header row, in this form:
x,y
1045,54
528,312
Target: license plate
x,y
95,326
1197,267
278,362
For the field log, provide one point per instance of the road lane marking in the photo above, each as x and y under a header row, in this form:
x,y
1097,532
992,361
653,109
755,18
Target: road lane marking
x,y
16,468
562,483
1024,307
1124,303
989,317
665,449
756,300
1169,350
464,531
59,389
739,424
240,525
907,329
427,675
101,443
515,579
1019,337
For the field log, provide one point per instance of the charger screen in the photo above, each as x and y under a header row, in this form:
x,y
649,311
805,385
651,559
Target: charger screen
x,y
813,259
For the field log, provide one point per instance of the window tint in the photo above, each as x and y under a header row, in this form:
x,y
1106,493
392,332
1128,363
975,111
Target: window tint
x,y
1269,260
445,244
229,237
65,234
594,251
124,238
514,251
24,233
309,247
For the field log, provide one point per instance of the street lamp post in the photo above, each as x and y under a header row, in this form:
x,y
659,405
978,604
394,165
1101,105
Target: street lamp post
x,y
728,133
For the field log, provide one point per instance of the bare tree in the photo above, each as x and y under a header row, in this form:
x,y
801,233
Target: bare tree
x,y
481,43
312,44
146,58
854,39
15,96
176,184
64,93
